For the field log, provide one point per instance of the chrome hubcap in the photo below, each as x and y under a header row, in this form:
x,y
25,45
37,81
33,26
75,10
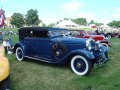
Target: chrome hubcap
x,y
78,65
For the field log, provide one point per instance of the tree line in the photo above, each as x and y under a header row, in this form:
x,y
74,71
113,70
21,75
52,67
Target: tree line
x,y
32,19
114,24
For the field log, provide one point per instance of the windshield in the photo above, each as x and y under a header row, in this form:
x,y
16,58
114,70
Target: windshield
x,y
54,33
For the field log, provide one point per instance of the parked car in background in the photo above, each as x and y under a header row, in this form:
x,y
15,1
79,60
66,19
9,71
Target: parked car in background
x,y
111,35
4,71
54,45
83,34
118,35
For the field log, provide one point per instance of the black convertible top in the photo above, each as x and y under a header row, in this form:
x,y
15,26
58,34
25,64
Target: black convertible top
x,y
23,31
40,28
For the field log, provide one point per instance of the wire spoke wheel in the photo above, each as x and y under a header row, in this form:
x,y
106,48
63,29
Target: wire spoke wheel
x,y
80,65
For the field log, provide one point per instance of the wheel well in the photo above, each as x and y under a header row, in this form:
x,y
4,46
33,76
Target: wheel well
x,y
15,47
105,44
70,57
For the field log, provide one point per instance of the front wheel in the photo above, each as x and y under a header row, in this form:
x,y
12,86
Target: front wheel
x,y
80,65
19,54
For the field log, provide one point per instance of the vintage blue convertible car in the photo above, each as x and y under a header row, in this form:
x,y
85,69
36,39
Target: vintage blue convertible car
x,y
54,45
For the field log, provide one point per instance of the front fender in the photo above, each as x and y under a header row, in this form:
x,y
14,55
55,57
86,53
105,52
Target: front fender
x,y
4,68
2,51
4,65
103,49
83,52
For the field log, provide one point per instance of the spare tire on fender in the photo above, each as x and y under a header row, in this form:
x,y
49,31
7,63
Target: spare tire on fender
x,y
58,51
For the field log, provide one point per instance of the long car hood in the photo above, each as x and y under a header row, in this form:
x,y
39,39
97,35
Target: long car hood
x,y
70,40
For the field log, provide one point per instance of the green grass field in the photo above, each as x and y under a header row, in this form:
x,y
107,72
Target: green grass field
x,y
36,75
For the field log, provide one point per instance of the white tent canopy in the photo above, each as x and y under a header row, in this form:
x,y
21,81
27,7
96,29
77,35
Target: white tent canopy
x,y
66,23
106,26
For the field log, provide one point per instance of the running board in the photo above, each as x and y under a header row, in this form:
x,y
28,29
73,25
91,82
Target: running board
x,y
38,59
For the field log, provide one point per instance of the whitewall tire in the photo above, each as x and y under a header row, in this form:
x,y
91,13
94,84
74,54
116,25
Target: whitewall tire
x,y
104,44
109,36
80,65
19,54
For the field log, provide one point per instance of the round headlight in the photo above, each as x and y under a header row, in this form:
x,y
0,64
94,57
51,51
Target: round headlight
x,y
98,43
88,44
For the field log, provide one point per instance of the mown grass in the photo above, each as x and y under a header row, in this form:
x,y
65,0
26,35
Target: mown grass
x,y
14,38
36,75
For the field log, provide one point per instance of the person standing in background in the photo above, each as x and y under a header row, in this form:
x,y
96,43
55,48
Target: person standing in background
x,y
6,45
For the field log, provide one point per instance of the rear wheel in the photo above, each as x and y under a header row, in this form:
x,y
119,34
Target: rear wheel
x,y
80,65
19,54
58,51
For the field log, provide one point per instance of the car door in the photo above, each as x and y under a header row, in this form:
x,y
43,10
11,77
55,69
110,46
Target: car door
x,y
42,48
29,47
29,44
42,45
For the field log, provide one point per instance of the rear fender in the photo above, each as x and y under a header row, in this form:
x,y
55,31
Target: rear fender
x,y
17,45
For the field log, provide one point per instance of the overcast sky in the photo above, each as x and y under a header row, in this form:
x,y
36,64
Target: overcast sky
x,y
50,11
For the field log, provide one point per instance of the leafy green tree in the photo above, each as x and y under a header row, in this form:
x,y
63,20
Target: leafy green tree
x,y
80,21
67,18
91,22
44,25
17,19
51,25
115,24
32,18
98,24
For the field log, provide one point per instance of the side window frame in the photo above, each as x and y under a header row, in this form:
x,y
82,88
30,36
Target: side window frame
x,y
40,34
29,34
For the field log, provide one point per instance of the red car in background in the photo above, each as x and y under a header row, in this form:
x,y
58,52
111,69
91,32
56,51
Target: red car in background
x,y
83,34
